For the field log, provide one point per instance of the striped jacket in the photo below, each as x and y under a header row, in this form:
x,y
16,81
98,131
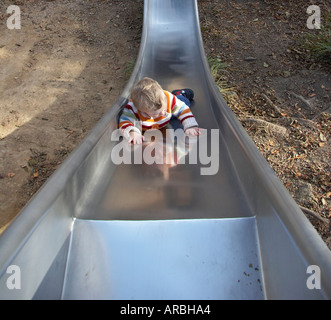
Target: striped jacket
x,y
132,119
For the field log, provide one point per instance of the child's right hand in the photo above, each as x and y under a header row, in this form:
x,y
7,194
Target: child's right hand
x,y
136,138
194,131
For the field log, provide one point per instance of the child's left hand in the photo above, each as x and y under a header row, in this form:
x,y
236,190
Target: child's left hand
x,y
195,131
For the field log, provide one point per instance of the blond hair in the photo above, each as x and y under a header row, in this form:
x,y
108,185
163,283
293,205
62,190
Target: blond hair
x,y
147,95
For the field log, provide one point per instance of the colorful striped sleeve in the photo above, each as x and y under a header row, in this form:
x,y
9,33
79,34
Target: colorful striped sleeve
x,y
183,112
129,120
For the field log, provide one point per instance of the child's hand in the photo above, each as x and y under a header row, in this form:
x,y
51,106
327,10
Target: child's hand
x,y
136,138
195,131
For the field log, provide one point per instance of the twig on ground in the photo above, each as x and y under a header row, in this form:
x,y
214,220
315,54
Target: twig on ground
x,y
314,214
274,128
327,110
305,101
272,105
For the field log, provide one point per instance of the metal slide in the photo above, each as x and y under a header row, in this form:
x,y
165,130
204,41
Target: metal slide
x,y
97,230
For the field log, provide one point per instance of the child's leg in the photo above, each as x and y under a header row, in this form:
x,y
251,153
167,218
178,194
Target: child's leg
x,y
184,99
185,95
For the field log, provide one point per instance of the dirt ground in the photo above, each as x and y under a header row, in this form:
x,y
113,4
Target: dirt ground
x,y
280,95
71,59
59,74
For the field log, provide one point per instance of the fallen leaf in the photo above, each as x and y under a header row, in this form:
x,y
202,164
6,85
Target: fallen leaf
x,y
286,74
322,137
32,162
11,174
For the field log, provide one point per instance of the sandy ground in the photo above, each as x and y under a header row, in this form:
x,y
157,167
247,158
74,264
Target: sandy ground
x,y
71,59
58,75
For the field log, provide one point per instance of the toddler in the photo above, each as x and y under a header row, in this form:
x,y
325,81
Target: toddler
x,y
151,107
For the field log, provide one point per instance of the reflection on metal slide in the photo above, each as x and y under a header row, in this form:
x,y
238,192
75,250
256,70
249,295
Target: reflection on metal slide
x,y
100,230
